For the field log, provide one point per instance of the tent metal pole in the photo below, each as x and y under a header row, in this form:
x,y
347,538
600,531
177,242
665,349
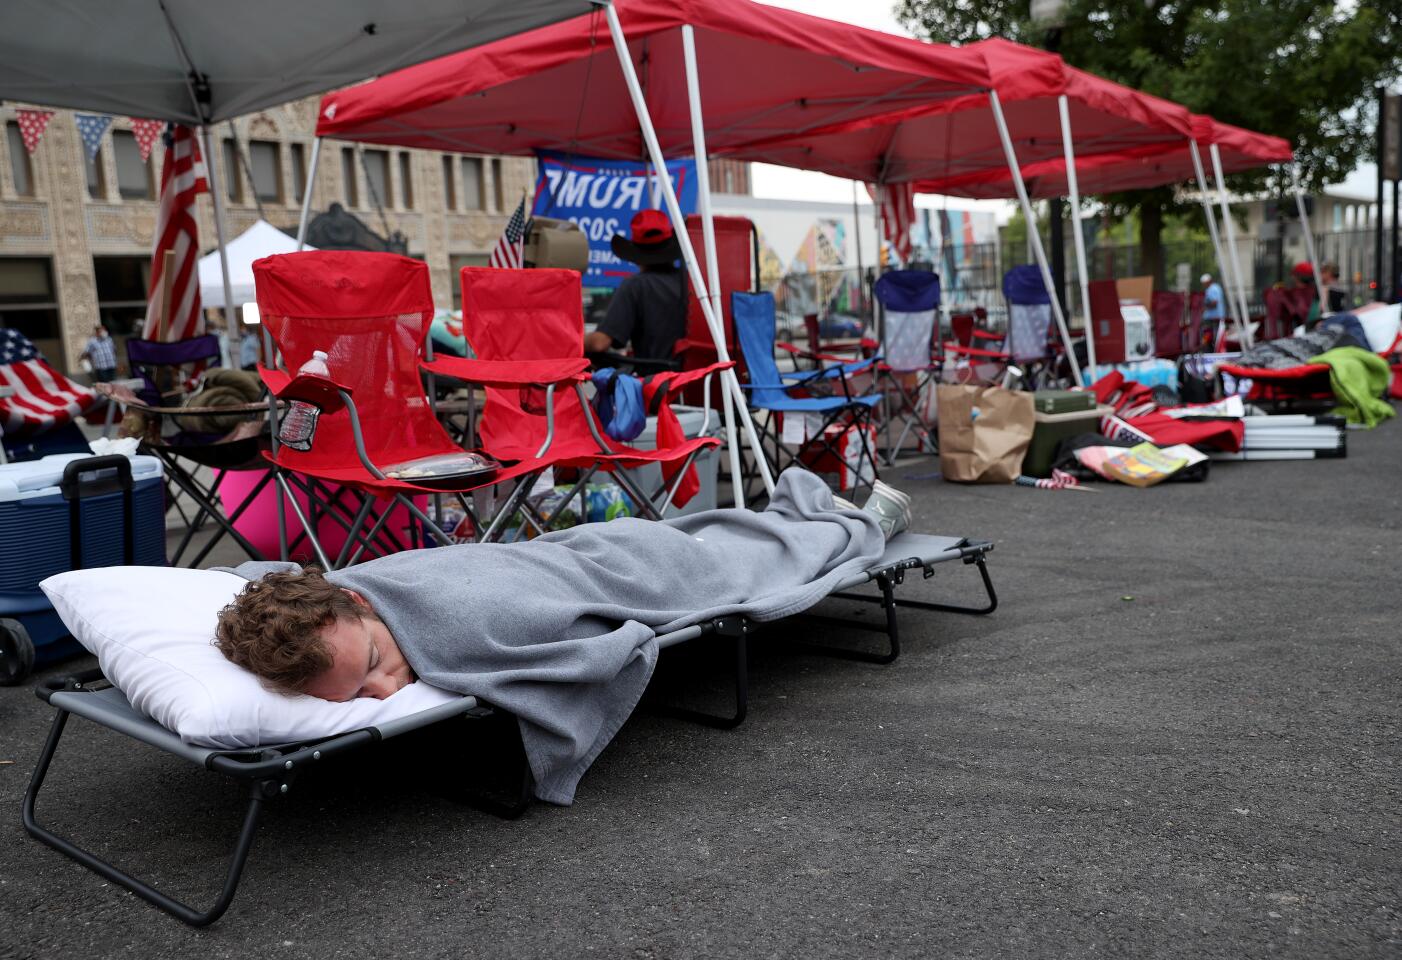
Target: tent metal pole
x,y
309,179
878,216
708,234
669,197
1309,238
1036,238
231,318
1230,229
1206,188
1082,274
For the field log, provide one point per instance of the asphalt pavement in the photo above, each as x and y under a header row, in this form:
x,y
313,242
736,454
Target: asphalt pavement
x,y
1178,736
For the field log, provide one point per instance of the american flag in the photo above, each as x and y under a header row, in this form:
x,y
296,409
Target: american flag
x,y
39,397
508,250
897,213
182,179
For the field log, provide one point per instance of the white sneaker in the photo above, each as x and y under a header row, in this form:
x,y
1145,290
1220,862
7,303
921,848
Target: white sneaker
x,y
891,508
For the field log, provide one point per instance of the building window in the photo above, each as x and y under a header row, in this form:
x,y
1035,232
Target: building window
x,y
472,195
299,170
96,173
498,186
233,183
450,184
28,303
122,284
377,177
349,191
133,174
406,180
456,262
264,159
19,160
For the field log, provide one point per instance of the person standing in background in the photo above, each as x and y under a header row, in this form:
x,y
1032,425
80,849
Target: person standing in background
x,y
101,352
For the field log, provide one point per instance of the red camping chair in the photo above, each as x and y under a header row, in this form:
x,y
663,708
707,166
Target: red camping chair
x,y
370,313
526,328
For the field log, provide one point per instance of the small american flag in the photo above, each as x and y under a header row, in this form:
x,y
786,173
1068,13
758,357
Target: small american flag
x,y
39,396
897,213
182,179
507,254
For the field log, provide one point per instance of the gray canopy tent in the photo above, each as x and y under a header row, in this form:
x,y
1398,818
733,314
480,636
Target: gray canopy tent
x,y
198,63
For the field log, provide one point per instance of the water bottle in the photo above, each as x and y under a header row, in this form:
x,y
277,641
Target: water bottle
x,y
299,424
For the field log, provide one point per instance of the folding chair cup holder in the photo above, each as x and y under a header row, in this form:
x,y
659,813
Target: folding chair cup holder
x,y
269,772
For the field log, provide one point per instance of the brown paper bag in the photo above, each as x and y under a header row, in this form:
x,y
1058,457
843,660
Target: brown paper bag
x,y
989,447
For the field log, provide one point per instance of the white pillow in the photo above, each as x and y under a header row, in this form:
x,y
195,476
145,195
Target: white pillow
x,y
152,629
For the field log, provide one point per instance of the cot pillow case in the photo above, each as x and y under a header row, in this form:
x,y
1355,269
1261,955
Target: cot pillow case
x,y
152,630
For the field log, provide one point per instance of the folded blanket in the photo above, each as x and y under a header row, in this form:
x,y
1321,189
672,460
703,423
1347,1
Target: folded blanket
x,y
561,630
1290,351
1360,379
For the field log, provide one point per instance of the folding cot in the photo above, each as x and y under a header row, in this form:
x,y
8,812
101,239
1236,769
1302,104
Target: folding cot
x,y
270,771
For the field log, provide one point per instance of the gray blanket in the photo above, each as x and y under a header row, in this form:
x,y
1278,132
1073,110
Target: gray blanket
x,y
561,631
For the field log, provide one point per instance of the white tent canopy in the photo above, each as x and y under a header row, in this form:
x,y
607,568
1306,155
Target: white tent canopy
x,y
197,62
258,241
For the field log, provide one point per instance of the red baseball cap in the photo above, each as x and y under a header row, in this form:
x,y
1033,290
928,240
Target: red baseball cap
x,y
653,241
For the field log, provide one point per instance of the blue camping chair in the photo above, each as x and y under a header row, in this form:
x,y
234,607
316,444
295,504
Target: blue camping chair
x,y
1031,343
909,364
773,392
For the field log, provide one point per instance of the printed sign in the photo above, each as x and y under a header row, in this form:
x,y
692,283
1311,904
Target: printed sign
x,y
601,196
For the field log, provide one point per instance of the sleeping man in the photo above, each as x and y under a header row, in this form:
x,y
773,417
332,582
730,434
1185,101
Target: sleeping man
x,y
561,630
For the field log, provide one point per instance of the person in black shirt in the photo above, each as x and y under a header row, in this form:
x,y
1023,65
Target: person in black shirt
x,y
649,308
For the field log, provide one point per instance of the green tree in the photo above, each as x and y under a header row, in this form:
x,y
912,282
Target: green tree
x,y
1298,69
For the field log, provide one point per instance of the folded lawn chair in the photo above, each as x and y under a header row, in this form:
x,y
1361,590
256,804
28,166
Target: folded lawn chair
x,y
270,771
839,417
526,328
39,406
223,436
370,313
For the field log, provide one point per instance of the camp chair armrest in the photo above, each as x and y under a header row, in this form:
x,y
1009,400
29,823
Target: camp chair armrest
x,y
844,369
321,392
644,365
511,373
952,347
819,357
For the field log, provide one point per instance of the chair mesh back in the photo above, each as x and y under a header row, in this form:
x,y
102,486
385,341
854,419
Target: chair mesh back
x,y
369,312
911,299
527,315
1028,326
754,328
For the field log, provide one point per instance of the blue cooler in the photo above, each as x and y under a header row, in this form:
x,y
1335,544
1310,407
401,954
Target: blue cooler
x,y
68,512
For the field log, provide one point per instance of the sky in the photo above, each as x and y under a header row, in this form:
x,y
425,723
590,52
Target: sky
x,y
787,184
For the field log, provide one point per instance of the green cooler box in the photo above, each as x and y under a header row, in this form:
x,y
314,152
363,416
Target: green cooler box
x,y
1049,429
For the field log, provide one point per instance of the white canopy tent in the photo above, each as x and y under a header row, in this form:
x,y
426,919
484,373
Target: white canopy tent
x,y
258,241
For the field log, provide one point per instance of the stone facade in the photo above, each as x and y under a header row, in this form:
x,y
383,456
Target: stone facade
x,y
56,216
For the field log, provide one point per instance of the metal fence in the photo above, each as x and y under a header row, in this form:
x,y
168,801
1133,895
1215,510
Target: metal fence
x,y
841,298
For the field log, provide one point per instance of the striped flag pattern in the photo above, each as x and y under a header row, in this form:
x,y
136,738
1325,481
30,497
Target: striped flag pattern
x,y
897,213
39,396
182,179
508,249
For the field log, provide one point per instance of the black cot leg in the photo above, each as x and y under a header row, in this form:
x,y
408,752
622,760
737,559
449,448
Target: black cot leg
x,y
886,581
738,629
102,868
979,560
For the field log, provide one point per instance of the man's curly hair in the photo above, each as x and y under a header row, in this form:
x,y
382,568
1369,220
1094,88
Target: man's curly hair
x,y
273,627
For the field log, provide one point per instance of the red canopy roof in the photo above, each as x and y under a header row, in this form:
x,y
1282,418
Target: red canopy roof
x,y
957,137
763,71
1136,169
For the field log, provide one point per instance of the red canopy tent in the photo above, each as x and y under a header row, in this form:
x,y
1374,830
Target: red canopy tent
x,y
959,136
766,71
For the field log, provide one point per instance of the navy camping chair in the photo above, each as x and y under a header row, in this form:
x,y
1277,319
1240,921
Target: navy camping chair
x,y
840,415
1031,343
909,363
